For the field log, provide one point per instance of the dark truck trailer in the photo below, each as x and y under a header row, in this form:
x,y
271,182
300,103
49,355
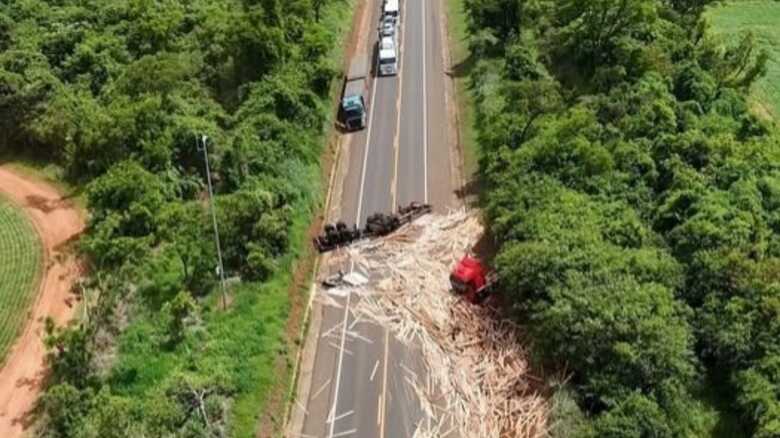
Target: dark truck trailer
x,y
377,225
353,101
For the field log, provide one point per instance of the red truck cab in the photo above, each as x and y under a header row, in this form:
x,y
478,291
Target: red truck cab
x,y
469,278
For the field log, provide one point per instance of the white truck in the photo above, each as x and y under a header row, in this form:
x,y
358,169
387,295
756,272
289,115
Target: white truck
x,y
388,57
392,9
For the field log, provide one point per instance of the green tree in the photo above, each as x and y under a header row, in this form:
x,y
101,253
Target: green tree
x,y
635,416
633,197
621,335
111,417
131,193
503,17
594,31
692,8
187,232
740,65
70,354
65,407
115,93
178,311
758,398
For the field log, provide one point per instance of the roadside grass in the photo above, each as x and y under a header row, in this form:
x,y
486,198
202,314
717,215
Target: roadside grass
x,y
303,267
243,344
249,343
340,19
275,303
21,256
462,64
762,17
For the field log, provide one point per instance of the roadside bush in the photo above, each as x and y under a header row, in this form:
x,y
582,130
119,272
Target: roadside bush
x,y
632,193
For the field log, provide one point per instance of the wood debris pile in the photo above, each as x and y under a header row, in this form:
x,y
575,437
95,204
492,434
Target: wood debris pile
x,y
480,384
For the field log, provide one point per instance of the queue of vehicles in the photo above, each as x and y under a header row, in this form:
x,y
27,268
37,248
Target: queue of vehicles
x,y
387,52
354,109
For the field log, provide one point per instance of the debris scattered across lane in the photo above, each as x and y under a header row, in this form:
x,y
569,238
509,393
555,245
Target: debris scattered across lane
x,y
479,382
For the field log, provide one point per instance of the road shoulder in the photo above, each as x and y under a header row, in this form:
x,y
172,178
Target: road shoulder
x,y
312,323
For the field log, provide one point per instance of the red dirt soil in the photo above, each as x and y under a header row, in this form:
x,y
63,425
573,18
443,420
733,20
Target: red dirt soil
x,y
58,222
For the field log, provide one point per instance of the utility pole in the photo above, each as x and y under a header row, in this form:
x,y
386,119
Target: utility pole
x,y
220,268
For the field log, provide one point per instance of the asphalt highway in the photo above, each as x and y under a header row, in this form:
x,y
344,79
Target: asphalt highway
x,y
359,378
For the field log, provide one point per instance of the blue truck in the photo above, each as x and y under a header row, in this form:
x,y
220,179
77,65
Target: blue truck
x,y
354,110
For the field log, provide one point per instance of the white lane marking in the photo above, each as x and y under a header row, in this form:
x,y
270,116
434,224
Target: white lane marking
x,y
425,104
358,220
384,385
341,362
352,263
396,141
379,412
365,153
397,137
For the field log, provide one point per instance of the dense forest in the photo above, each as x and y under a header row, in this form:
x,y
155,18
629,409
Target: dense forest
x,y
115,93
636,200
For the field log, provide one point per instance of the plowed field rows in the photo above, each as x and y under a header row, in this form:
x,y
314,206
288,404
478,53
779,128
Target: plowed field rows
x,y
20,268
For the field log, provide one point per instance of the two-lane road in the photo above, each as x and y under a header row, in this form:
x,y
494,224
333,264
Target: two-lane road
x,y
358,382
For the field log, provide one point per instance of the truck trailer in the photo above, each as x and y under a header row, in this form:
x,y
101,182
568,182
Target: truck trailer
x,y
353,102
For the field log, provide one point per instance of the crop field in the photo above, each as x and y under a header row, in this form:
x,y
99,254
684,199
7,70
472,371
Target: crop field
x,y
762,17
20,267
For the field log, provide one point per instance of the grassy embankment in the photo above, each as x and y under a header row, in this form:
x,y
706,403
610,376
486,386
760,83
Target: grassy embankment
x,y
762,17
20,269
307,265
462,63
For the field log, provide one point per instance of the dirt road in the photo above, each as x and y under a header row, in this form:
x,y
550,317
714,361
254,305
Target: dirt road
x,y
58,222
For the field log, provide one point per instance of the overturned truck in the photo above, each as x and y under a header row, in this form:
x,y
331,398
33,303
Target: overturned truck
x,y
378,224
